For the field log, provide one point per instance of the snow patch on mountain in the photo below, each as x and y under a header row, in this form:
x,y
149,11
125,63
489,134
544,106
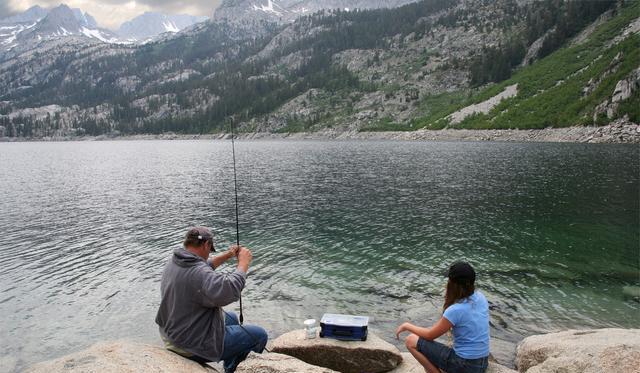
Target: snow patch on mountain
x,y
9,34
170,27
301,10
270,8
97,34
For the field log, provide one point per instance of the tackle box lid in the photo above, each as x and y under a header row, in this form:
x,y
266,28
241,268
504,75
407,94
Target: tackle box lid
x,y
344,320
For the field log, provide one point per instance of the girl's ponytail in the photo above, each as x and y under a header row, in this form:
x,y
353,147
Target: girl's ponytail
x,y
456,290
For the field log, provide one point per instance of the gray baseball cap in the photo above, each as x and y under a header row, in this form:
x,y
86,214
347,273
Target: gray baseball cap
x,y
201,234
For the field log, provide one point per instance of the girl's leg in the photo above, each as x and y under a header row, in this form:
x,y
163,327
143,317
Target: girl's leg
x,y
412,345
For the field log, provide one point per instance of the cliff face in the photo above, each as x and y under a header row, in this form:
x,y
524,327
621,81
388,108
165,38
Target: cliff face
x,y
380,69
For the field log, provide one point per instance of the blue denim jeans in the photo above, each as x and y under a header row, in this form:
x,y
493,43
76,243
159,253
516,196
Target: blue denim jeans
x,y
446,359
239,340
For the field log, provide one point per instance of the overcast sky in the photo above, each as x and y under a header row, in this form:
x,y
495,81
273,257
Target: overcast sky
x,y
111,13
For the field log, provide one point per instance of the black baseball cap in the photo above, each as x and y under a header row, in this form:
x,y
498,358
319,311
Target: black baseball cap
x,y
461,271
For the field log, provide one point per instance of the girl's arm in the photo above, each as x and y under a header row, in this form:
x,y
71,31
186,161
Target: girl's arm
x,y
438,329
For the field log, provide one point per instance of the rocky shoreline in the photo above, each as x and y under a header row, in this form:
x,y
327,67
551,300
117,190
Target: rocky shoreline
x,y
621,131
572,351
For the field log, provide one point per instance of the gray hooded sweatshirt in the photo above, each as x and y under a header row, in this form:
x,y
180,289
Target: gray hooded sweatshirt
x,y
193,294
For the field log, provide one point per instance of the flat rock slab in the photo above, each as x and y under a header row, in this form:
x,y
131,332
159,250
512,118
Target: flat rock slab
x,y
373,355
587,351
277,363
120,357
411,365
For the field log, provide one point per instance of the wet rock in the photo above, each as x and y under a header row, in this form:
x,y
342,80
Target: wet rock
x,y
277,363
631,292
372,355
584,351
120,356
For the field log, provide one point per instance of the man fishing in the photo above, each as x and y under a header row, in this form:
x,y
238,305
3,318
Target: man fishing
x,y
191,319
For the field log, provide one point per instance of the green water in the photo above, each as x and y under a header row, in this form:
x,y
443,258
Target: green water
x,y
342,227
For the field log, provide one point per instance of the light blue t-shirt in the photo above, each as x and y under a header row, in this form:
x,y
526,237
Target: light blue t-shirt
x,y
470,319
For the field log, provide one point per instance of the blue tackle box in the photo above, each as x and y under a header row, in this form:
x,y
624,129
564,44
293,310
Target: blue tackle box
x,y
344,327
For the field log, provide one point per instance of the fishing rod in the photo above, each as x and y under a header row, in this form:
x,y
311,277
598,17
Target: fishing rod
x,y
235,177
235,190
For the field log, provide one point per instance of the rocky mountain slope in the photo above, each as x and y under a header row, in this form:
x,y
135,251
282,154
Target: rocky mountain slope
x,y
512,64
286,11
147,26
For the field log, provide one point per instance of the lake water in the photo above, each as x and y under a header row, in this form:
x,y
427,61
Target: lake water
x,y
345,227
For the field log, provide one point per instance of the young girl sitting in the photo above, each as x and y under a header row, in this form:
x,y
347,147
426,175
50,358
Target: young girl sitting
x,y
466,312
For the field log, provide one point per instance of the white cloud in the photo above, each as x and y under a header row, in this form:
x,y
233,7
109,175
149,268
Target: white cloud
x,y
112,13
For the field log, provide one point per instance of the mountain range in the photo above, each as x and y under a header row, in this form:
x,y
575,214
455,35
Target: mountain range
x,y
36,24
427,64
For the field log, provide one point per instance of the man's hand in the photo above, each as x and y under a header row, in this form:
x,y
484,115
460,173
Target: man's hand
x,y
233,251
244,258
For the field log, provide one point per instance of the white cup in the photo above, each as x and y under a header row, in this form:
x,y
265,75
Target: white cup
x,y
310,328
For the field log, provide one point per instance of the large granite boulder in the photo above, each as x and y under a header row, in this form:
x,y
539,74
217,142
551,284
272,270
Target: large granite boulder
x,y
411,365
373,355
120,357
277,363
581,351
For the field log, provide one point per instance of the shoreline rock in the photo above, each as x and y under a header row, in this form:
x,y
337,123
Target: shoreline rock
x,y
588,351
119,356
581,351
277,363
619,132
373,355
